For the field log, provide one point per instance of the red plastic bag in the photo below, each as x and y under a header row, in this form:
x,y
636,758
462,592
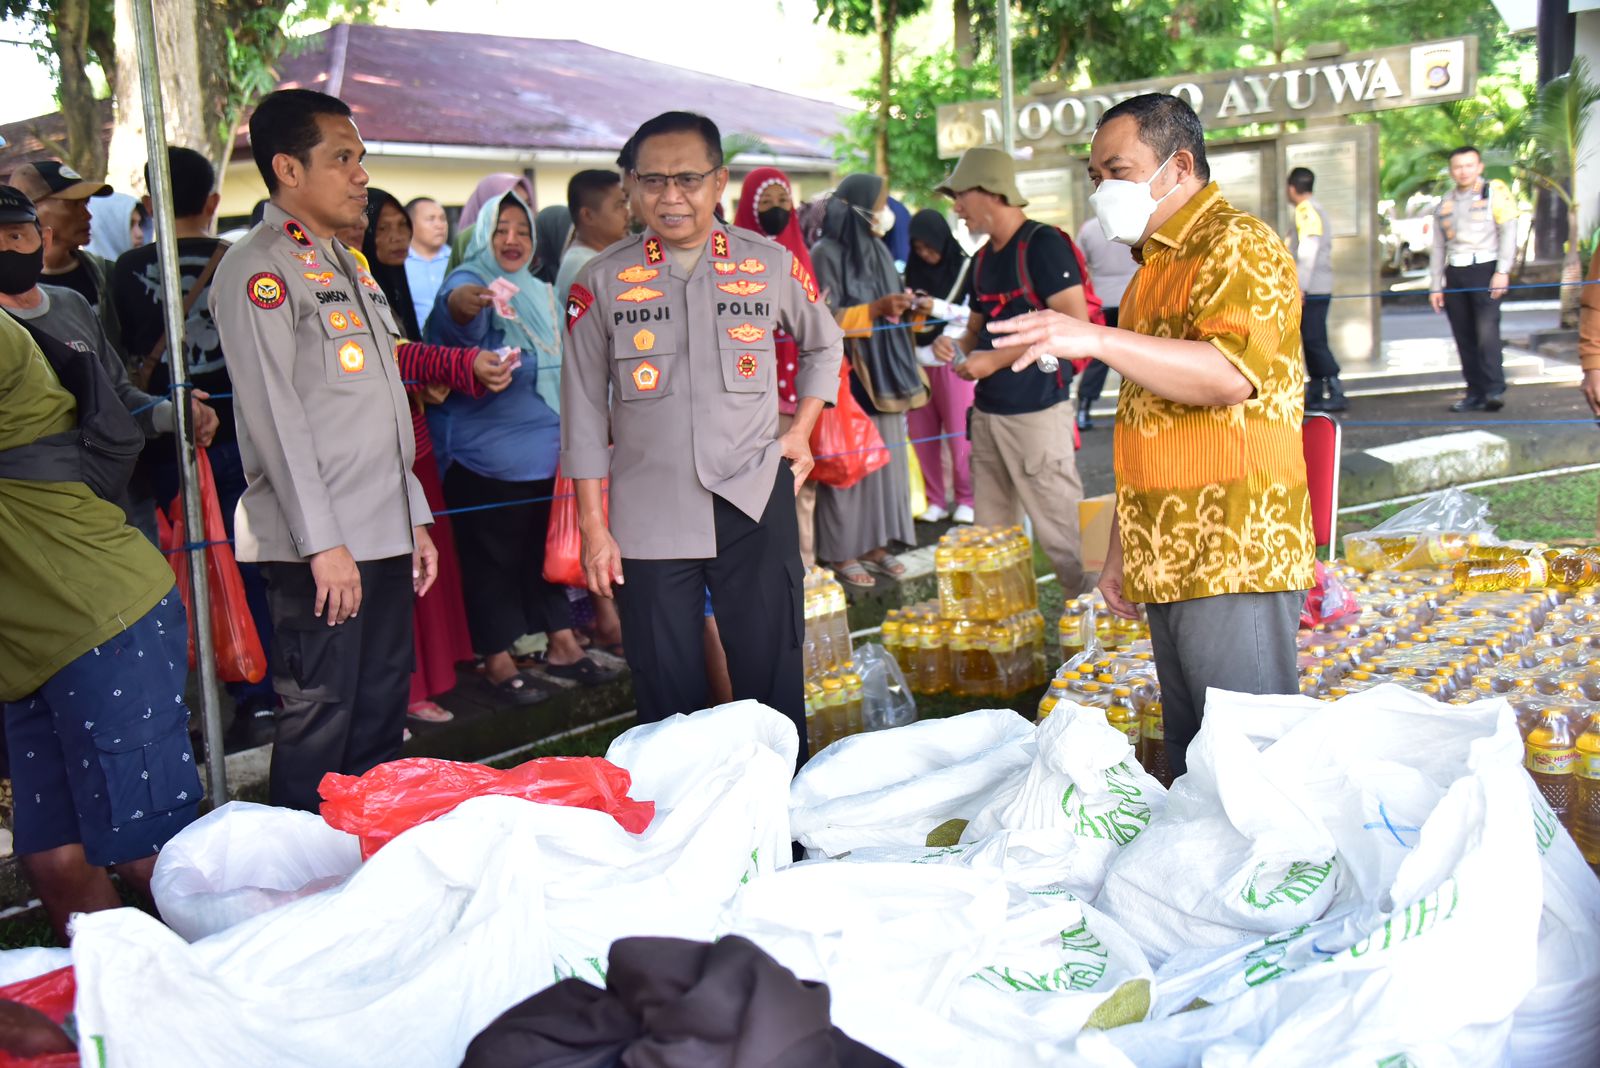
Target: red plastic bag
x,y
240,657
52,994
563,541
396,796
1329,601
845,443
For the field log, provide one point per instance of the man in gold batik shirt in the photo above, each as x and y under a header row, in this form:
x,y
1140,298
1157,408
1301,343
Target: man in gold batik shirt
x,y
1213,525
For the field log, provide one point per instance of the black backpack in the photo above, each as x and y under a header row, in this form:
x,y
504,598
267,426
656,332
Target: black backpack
x,y
101,451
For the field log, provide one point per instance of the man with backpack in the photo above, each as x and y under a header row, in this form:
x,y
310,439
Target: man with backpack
x,y
1021,424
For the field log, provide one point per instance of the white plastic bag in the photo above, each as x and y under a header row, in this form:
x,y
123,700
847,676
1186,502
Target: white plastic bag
x,y
243,859
667,758
1086,789
429,941
893,787
1427,947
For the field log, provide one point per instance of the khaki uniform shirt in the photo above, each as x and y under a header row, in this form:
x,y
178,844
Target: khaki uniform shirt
x,y
1311,242
324,428
1476,226
676,369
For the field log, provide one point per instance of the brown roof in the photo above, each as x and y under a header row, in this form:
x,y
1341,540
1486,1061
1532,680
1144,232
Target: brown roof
x,y
469,89
473,89
25,138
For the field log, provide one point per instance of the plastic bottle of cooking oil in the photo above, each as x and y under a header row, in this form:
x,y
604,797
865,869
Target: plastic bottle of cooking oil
x,y
1570,572
814,732
1523,573
830,709
1551,759
853,719
1071,630
1059,691
1584,820
1123,714
1153,743
890,633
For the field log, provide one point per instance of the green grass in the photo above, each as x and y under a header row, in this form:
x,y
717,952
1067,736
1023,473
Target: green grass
x,y
1560,508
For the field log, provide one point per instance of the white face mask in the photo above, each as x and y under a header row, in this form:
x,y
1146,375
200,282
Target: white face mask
x,y
883,222
1124,208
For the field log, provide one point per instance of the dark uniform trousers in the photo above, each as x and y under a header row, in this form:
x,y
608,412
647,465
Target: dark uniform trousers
x,y
344,688
757,593
1475,321
1320,361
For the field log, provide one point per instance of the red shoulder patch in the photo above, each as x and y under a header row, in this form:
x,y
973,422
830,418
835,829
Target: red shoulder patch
x,y
297,234
265,290
719,244
578,301
798,271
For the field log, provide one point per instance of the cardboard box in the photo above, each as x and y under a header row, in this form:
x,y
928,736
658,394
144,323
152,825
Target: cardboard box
x,y
1094,521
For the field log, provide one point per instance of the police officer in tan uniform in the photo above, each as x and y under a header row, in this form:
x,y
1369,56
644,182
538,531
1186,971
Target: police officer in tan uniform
x,y
1474,245
669,361
331,510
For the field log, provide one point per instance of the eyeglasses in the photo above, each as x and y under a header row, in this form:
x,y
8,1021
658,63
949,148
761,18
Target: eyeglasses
x,y
688,181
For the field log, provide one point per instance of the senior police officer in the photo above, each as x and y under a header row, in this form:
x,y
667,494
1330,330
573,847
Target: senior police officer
x,y
1474,244
669,358
331,510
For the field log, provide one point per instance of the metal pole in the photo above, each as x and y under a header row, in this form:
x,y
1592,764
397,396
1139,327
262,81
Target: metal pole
x,y
183,431
1008,93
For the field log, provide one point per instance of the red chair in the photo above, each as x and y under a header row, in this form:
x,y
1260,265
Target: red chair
x,y
1324,441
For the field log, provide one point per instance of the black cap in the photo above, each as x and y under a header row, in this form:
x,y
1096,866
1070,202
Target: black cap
x,y
49,178
14,207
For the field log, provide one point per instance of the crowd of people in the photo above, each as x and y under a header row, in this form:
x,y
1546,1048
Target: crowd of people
x,y
387,407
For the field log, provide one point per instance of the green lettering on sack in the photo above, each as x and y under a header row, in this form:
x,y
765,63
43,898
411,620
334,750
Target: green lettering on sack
x,y
1303,880
931,858
1121,824
1265,963
1084,965
1544,823
755,865
1415,920
1397,1060
564,969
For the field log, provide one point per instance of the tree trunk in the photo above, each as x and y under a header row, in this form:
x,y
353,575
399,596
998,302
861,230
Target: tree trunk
x,y
887,12
80,109
966,52
1063,47
191,47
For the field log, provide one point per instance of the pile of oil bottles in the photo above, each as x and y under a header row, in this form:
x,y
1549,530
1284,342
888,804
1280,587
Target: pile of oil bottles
x,y
984,636
833,689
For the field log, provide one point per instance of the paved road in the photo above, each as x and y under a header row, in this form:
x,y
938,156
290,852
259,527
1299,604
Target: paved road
x,y
1421,415
1407,323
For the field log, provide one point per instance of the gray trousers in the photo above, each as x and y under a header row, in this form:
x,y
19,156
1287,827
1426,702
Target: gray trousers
x,y
1244,642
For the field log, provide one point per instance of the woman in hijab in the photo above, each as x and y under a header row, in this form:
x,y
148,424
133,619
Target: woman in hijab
x,y
552,230
939,269
766,205
498,453
857,273
440,636
487,191
113,220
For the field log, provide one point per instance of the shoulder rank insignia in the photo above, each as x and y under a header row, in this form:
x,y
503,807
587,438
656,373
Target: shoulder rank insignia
x,y
652,250
747,333
297,234
637,273
639,294
367,280
719,244
646,378
265,290
746,365
798,271
578,301
751,265
742,288
723,267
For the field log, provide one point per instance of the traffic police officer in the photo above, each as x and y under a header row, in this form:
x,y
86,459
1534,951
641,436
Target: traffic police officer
x,y
331,510
1474,244
669,359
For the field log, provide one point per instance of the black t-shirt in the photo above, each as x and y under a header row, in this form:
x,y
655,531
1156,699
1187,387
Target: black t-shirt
x,y
1052,267
79,280
136,289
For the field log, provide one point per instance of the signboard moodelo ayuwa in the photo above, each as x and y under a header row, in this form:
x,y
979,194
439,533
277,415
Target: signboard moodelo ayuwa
x,y
1402,76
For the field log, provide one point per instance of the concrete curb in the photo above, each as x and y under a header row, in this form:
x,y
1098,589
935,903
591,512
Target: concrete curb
x,y
1444,460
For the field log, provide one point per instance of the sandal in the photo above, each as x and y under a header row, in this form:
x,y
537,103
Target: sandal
x,y
854,575
584,672
887,565
429,712
520,690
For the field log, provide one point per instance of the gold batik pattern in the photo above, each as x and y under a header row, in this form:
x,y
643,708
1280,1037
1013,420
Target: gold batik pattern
x,y
1213,500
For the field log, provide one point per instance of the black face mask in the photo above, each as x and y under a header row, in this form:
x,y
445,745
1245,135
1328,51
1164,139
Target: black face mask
x,y
773,220
20,271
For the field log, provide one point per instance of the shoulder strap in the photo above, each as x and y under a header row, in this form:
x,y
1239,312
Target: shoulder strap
x,y
1025,231
159,349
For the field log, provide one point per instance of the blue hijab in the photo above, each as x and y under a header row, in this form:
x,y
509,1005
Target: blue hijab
x,y
536,327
